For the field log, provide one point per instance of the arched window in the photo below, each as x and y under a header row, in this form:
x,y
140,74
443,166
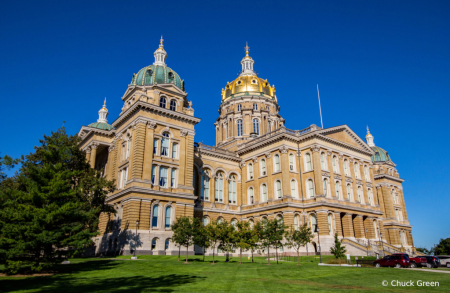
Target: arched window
x,y
165,145
294,188
233,223
325,187
330,224
356,166
338,189
264,192
313,223
323,163
263,167
205,221
308,166
269,126
375,228
255,106
219,220
232,189
166,244
360,197
278,189
335,164
251,198
280,219
310,188
366,174
252,223
369,196
219,187
256,126
163,174
162,102
173,105
154,241
349,194
155,216
239,128
239,107
250,171
276,158
346,167
205,185
296,222
291,162
168,214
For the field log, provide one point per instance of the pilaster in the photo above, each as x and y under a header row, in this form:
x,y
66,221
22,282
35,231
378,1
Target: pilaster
x,y
138,151
347,224
317,170
359,226
148,151
337,220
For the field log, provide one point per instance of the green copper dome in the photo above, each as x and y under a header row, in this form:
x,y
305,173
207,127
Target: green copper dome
x,y
101,125
380,155
157,74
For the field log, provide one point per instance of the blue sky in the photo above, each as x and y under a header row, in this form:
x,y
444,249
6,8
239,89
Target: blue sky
x,y
384,64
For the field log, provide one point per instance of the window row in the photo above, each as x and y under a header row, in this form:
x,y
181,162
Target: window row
x,y
276,166
339,192
218,187
167,217
161,177
254,107
172,104
166,147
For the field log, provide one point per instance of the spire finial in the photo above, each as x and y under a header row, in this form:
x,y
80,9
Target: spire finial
x,y
103,113
162,40
104,103
247,48
369,138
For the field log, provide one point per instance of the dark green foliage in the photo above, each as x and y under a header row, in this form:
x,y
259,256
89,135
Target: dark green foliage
x,y
423,250
443,248
299,238
271,234
7,163
53,202
201,238
184,230
244,237
338,250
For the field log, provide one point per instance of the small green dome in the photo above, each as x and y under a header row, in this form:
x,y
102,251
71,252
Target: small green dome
x,y
380,155
101,125
157,74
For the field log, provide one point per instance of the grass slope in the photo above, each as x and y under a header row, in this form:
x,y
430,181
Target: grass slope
x,y
166,274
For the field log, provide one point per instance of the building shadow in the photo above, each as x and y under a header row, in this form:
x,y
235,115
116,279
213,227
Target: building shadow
x,y
114,240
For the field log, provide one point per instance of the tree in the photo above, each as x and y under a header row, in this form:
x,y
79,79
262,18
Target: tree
x,y
298,238
227,239
423,250
443,248
254,240
338,250
212,233
272,233
7,163
54,201
201,238
184,230
243,237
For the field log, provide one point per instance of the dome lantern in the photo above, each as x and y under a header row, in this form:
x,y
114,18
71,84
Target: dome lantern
x,y
247,63
369,138
102,122
160,54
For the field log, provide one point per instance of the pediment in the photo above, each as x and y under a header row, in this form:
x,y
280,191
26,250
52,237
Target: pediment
x,y
344,134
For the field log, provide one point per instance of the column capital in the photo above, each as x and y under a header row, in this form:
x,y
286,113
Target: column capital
x,y
315,148
151,125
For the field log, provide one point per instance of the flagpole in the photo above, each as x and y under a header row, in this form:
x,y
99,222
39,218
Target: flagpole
x,y
320,108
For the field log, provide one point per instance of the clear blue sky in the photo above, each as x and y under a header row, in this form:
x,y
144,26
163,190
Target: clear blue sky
x,y
379,63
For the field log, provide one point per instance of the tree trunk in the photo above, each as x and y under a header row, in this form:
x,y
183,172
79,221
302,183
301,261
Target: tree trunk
x,y
276,252
179,252
204,252
187,249
252,255
298,257
268,254
214,248
241,255
307,249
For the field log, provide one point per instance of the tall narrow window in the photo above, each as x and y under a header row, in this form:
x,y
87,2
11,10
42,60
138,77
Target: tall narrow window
x,y
250,171
166,244
153,174
346,167
173,105
291,162
255,106
263,167
349,194
256,126
325,187
375,228
330,224
239,128
360,198
168,214
239,107
155,216
173,178
219,187
278,188
155,146
124,177
396,215
322,161
338,188
205,185
311,188
163,176
313,223
296,222
128,148
369,195
232,189
269,126
393,197
277,163
356,166
264,193
308,162
162,102
366,174
251,195
335,170
293,188
174,150
165,145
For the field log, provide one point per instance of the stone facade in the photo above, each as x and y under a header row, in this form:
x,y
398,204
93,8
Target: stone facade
x,y
259,168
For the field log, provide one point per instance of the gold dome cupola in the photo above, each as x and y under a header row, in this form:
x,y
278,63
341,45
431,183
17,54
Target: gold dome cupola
x,y
247,63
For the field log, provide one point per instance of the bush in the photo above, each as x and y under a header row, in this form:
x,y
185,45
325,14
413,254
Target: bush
x,y
13,267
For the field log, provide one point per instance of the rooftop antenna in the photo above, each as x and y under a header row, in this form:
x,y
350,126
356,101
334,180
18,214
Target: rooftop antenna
x,y
320,108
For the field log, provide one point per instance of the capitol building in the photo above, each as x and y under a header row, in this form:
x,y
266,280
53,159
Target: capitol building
x,y
258,168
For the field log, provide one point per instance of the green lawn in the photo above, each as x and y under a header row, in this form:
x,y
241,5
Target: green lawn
x,y
166,274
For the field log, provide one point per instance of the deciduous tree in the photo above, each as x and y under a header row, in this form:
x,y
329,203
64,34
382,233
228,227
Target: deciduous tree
x,y
299,238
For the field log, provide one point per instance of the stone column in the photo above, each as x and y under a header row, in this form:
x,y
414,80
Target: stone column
x,y
347,224
93,154
189,165
359,227
368,225
388,204
317,170
284,160
110,164
88,154
269,168
337,221
138,150
331,179
394,236
148,151
322,221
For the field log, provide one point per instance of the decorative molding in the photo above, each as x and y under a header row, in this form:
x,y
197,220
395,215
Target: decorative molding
x,y
326,174
369,184
111,148
315,148
338,177
283,149
242,164
329,153
184,133
151,125
349,180
88,150
255,159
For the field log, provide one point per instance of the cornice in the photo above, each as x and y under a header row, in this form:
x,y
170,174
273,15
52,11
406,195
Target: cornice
x,y
386,176
217,153
146,190
133,88
89,131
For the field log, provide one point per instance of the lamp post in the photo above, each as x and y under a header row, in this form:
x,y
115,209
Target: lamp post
x,y
367,233
318,237
135,239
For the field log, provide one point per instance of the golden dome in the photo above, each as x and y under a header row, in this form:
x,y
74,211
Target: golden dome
x,y
247,85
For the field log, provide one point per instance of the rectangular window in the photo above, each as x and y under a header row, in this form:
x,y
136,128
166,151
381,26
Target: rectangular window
x,y
128,148
291,162
277,163
153,174
173,178
250,171
165,147
174,150
263,167
124,152
155,146
124,177
163,176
